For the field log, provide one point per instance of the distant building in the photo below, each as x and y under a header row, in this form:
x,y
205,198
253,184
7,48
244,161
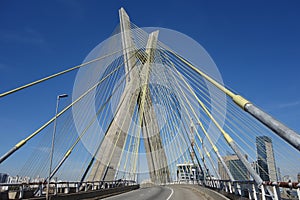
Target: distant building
x,y
286,178
254,165
235,166
18,179
265,159
298,177
3,178
278,174
188,172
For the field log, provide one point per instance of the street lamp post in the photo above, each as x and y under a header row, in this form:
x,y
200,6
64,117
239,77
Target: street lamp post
x,y
53,139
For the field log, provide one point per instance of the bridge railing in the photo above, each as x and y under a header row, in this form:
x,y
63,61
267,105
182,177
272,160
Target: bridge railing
x,y
38,189
250,190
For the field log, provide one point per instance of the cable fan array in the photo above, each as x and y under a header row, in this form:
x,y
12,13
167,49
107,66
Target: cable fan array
x,y
187,116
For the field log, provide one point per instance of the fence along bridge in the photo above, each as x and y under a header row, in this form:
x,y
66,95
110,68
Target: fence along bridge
x,y
154,117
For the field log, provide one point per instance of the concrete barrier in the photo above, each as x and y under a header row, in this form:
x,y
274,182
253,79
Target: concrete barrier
x,y
227,194
91,194
210,193
4,195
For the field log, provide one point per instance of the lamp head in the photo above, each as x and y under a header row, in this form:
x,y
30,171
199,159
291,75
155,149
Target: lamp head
x,y
62,96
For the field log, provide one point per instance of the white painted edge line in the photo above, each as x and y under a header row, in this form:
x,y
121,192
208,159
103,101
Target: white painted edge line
x,y
172,191
118,195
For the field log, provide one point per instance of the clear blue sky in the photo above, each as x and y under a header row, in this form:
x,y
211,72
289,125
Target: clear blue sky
x,y
255,44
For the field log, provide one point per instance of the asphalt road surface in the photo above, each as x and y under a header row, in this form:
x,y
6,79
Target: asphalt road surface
x,y
170,192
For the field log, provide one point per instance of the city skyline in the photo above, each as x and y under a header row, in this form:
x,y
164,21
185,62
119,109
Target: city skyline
x,y
235,166
44,47
265,159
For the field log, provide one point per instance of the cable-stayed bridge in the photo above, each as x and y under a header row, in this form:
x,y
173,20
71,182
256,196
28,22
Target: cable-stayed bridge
x,y
144,115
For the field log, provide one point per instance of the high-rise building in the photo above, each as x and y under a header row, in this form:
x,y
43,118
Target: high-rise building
x,y
265,158
188,172
235,166
278,174
3,177
287,178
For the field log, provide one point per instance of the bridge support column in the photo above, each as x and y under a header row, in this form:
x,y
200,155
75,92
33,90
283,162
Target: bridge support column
x,y
136,92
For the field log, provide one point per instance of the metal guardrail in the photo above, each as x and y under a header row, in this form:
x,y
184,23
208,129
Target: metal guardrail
x,y
250,190
39,189
247,189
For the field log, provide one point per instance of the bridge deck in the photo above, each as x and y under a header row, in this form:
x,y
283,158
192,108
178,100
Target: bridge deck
x,y
170,192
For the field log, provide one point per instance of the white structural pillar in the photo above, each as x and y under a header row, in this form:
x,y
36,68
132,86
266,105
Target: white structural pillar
x,y
156,156
136,93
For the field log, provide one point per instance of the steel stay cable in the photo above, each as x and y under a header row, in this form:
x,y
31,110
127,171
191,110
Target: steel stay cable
x,y
201,127
109,161
164,118
128,152
227,137
146,66
136,139
204,131
167,104
22,142
55,75
115,144
236,134
165,132
67,154
186,100
199,151
119,134
214,147
276,126
70,140
185,141
118,108
93,137
220,113
246,134
186,132
131,144
172,116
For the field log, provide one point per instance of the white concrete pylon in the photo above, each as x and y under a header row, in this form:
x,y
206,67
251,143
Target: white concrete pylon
x,y
136,93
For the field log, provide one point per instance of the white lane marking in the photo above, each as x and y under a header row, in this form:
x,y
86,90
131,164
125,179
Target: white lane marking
x,y
119,195
171,193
